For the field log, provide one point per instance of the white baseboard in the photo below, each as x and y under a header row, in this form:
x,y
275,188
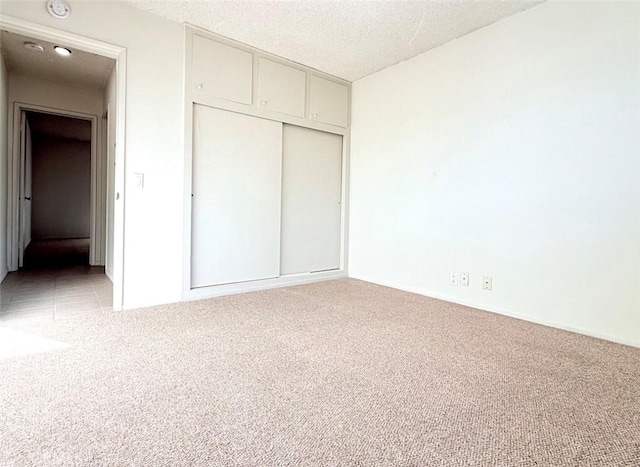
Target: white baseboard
x,y
504,312
3,275
252,286
109,274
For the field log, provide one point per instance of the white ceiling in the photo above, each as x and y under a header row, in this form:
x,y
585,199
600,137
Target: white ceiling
x,y
347,39
81,68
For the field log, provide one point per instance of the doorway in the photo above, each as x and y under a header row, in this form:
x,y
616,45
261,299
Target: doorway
x,y
59,273
56,192
104,144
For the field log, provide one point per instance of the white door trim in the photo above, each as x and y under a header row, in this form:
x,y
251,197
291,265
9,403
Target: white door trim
x,y
119,54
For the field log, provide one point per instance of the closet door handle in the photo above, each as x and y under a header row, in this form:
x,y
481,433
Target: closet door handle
x,y
28,198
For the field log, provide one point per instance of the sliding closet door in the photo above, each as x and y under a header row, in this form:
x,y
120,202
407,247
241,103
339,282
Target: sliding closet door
x,y
311,192
236,197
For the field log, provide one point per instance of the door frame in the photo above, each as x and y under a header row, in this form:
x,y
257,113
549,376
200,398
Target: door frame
x,y
119,54
96,221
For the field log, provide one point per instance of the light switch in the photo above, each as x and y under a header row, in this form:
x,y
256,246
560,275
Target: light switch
x,y
139,180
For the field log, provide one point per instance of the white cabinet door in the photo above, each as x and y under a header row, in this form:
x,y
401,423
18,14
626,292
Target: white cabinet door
x,y
329,102
221,71
311,192
281,88
237,170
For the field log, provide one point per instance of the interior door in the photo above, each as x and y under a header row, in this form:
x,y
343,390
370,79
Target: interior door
x,y
28,184
311,196
237,163
26,157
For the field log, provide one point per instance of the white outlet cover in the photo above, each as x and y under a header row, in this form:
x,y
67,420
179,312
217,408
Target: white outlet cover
x,y
487,282
453,278
464,278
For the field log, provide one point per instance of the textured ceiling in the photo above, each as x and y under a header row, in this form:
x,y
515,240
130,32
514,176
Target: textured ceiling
x,y
81,68
347,39
56,126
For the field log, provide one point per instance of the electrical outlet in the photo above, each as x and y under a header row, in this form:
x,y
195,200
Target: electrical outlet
x,y
487,282
464,278
453,278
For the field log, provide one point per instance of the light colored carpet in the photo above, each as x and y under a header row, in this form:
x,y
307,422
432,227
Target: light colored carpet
x,y
334,373
16,344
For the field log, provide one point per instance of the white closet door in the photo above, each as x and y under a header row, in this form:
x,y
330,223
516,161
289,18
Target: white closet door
x,y
311,192
237,167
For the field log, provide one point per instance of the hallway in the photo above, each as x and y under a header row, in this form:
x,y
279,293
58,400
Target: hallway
x,y
53,294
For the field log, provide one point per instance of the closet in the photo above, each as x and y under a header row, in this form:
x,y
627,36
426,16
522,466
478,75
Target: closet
x,y
265,189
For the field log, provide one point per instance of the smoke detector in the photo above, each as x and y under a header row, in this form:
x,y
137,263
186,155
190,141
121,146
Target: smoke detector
x,y
59,9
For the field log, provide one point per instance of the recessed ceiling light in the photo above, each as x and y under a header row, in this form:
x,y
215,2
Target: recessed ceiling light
x,y
33,47
62,51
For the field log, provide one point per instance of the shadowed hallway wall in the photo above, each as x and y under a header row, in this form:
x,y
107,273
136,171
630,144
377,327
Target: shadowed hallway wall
x,y
61,188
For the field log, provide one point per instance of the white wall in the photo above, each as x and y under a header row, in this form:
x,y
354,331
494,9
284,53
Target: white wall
x,y
61,188
512,152
58,96
4,89
154,137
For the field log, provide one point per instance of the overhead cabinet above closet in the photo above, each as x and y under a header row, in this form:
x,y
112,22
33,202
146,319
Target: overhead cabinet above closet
x,y
281,88
209,58
266,84
329,101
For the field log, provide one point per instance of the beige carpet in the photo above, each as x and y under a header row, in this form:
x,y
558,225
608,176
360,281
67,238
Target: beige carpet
x,y
17,344
335,373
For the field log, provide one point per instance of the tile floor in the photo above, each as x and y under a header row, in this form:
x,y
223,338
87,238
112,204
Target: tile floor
x,y
54,293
